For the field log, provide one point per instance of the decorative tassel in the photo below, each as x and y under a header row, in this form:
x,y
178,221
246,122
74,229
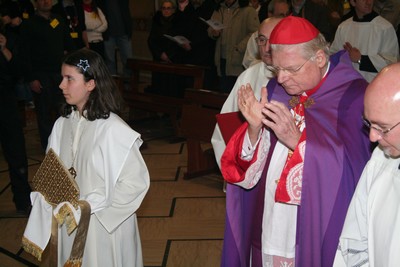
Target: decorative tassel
x,y
73,263
32,248
65,215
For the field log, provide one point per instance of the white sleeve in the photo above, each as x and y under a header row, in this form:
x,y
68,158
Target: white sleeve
x,y
353,241
230,105
388,48
248,149
104,25
129,191
338,42
218,144
251,56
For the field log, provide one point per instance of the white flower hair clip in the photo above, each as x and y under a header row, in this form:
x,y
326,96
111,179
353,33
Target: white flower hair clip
x,y
83,64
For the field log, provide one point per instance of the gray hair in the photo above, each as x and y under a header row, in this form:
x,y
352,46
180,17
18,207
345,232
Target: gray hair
x,y
173,3
308,49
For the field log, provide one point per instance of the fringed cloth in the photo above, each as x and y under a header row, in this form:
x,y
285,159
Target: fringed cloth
x,y
55,187
43,226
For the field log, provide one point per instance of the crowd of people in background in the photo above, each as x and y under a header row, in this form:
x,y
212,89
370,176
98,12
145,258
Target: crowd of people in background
x,y
35,36
226,51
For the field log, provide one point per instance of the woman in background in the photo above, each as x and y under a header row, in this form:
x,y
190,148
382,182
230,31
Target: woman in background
x,y
96,24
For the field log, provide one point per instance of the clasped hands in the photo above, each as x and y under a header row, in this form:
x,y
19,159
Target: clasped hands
x,y
272,114
354,52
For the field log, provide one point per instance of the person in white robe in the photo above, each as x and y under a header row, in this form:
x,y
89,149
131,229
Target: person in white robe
x,y
251,56
369,38
276,8
110,171
257,76
370,235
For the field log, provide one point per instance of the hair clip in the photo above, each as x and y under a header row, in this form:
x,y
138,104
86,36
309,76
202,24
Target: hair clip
x,y
83,64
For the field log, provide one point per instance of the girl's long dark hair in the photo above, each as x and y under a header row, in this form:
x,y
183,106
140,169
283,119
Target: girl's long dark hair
x,y
105,97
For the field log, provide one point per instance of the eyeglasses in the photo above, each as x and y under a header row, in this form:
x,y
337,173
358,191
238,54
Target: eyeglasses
x,y
380,131
167,8
291,71
261,40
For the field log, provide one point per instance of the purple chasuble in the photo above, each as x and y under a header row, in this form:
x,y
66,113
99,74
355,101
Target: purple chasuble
x,y
337,150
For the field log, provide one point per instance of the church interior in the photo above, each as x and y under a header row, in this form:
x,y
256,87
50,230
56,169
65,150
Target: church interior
x,y
181,221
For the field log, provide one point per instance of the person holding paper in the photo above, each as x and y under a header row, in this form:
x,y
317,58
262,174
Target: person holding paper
x,y
294,164
164,22
167,22
239,22
201,47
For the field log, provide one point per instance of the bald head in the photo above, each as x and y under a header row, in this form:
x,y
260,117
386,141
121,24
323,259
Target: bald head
x,y
270,22
264,31
384,91
382,109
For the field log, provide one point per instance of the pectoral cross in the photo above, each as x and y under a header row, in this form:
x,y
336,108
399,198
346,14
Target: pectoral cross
x,y
72,172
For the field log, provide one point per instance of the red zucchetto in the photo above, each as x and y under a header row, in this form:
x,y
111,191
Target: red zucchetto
x,y
293,30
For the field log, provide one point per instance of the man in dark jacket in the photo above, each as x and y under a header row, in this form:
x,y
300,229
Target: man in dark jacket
x,y
46,38
118,34
11,133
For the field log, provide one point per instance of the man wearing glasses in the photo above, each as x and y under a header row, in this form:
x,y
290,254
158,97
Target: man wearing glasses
x,y
276,8
372,226
257,76
299,155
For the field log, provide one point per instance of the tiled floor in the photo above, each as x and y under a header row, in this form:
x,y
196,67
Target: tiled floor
x,y
181,221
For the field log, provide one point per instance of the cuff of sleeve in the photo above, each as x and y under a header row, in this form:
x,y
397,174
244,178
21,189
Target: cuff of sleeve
x,y
66,213
233,167
248,149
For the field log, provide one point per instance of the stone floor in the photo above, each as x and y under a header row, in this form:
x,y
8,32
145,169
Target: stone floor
x,y
181,221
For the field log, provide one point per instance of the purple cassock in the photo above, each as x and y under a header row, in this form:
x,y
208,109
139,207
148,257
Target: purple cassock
x,y
337,148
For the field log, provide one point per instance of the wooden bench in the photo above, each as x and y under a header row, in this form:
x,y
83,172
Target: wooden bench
x,y
139,99
197,125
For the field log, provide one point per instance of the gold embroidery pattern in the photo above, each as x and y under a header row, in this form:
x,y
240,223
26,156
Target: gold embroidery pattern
x,y
54,181
295,100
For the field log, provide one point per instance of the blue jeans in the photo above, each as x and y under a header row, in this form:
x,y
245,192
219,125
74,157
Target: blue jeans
x,y
123,43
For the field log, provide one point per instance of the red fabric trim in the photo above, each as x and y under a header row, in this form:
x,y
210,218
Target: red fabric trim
x,y
233,167
295,158
87,8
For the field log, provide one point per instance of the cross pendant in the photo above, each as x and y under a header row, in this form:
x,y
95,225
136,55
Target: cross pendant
x,y
72,172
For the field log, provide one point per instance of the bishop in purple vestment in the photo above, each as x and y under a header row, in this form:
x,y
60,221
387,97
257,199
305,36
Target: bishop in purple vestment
x,y
331,147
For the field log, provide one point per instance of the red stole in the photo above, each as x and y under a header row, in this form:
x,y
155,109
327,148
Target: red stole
x,y
289,185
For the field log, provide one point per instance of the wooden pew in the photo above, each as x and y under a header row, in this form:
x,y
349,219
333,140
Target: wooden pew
x,y
197,125
172,106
